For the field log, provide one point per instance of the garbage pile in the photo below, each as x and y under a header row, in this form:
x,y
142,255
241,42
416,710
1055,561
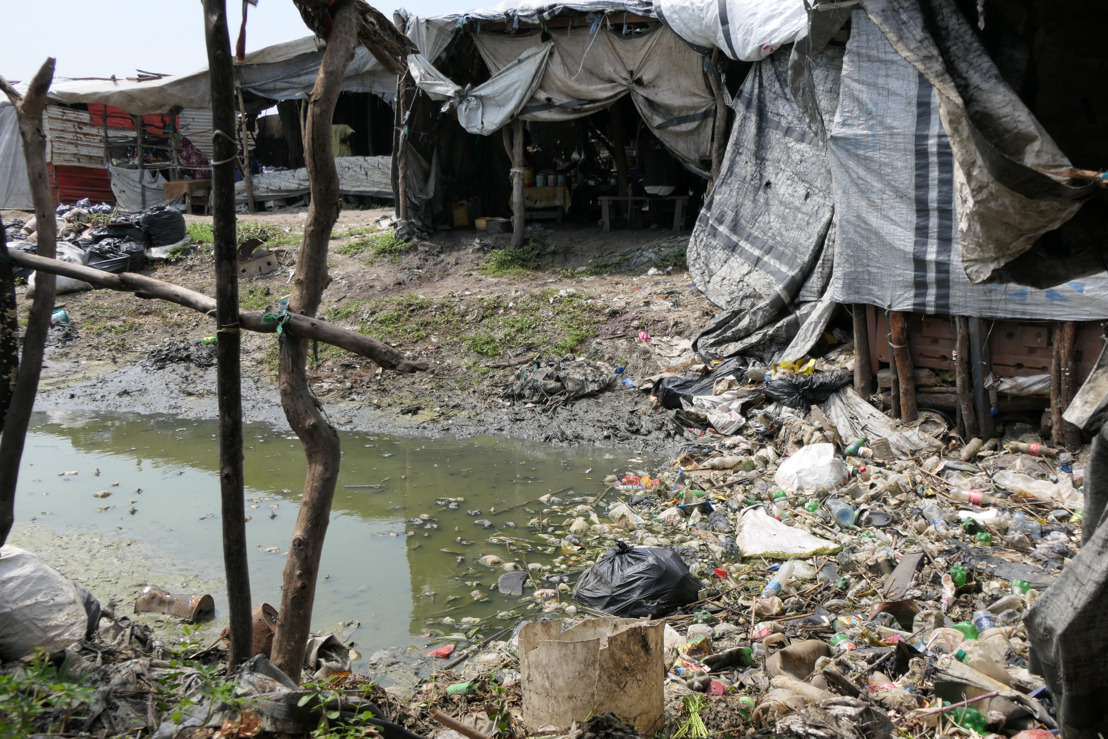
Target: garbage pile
x,y
851,576
88,235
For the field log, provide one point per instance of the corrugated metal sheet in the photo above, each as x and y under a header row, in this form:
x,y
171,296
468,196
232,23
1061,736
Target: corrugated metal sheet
x,y
196,123
73,183
72,138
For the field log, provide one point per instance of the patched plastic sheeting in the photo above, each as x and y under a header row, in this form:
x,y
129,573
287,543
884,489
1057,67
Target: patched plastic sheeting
x,y
746,30
1004,201
587,72
15,188
486,108
136,190
897,244
758,245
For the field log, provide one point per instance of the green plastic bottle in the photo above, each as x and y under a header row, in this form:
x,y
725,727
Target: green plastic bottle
x,y
852,449
811,505
968,718
968,629
984,538
958,575
1022,586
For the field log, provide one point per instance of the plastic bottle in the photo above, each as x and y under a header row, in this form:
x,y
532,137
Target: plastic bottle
x,y
811,505
206,340
842,643
982,621
59,316
967,628
958,575
852,449
1035,450
1021,586
934,517
1024,524
779,580
969,718
984,538
843,514
973,497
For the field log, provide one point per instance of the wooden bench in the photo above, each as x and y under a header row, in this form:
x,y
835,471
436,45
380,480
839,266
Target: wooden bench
x,y
677,200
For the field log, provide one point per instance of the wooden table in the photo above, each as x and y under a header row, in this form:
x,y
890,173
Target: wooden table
x,y
677,200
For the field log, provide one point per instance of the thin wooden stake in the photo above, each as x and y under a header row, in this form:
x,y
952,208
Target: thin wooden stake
x,y
963,378
863,372
1071,435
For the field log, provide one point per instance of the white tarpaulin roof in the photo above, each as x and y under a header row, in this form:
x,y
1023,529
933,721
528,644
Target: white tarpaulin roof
x,y
746,30
280,72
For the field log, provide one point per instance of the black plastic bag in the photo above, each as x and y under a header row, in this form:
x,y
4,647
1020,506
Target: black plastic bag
x,y
162,226
803,391
637,581
670,391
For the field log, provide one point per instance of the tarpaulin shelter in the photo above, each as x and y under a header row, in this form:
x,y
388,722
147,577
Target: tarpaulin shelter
x,y
281,72
547,63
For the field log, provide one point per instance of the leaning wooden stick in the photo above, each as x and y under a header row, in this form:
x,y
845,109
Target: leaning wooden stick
x,y
148,287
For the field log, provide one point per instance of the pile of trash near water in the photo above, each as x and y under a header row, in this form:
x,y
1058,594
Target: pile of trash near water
x,y
91,235
822,571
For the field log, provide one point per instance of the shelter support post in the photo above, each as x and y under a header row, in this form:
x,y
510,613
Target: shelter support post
x,y
619,155
517,184
898,332
719,137
1071,435
981,368
400,147
962,378
244,162
140,128
894,384
863,373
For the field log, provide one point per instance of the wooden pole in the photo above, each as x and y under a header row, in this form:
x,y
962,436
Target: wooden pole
x,y
1071,435
244,162
963,378
980,369
894,384
302,410
398,162
518,206
140,129
863,372
898,331
9,330
228,344
719,134
29,109
619,155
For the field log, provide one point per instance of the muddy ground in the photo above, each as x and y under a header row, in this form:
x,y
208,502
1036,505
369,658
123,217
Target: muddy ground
x,y
619,283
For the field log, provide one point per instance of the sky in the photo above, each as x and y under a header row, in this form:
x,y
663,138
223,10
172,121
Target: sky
x,y
91,39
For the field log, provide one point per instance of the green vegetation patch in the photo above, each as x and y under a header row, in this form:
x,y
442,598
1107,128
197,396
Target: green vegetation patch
x,y
201,233
548,322
376,245
515,261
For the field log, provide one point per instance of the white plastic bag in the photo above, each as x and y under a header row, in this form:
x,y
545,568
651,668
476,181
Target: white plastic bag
x,y
39,607
814,467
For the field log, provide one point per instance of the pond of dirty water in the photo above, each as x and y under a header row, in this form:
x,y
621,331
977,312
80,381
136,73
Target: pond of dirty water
x,y
399,553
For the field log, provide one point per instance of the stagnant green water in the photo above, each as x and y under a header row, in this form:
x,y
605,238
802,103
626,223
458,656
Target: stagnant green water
x,y
381,566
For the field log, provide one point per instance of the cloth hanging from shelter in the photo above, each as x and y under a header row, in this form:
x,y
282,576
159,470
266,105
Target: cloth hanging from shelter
x,y
898,243
1004,199
15,188
761,247
588,71
486,108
